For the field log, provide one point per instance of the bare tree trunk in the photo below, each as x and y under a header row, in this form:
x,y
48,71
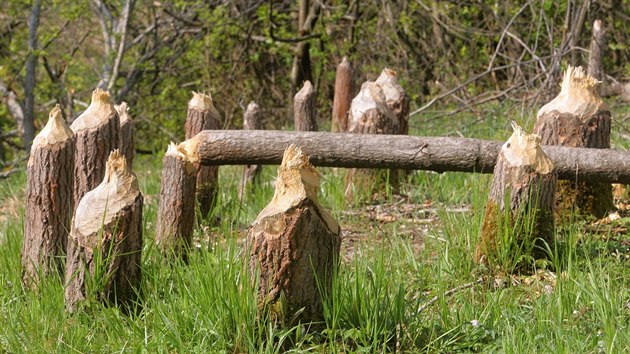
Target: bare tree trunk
x,y
369,114
598,47
251,173
49,200
105,244
15,108
304,115
97,134
202,115
439,154
126,145
294,245
343,96
521,201
31,76
577,117
176,211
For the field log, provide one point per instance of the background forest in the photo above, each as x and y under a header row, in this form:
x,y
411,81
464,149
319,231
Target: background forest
x,y
152,54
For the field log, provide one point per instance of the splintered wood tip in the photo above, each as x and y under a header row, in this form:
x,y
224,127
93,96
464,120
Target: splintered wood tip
x,y
55,131
252,107
578,95
101,97
186,151
577,77
306,89
123,111
201,101
296,172
388,72
524,149
116,163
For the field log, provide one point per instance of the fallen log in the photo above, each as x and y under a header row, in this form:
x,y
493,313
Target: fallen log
x,y
439,154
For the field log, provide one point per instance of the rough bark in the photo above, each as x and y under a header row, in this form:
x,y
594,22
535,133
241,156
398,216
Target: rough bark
x,y
251,173
202,115
369,114
176,211
396,98
97,134
578,118
521,196
439,154
343,96
294,245
105,243
304,115
598,46
48,200
31,76
126,144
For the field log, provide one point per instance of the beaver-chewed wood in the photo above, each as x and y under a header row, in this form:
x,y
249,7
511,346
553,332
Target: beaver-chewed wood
x,y
370,114
48,208
304,116
251,173
126,143
519,212
105,243
294,245
396,98
577,117
97,134
176,210
203,115
343,96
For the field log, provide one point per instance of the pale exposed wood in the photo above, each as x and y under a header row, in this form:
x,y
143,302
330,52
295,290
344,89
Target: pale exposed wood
x,y
343,96
522,194
294,245
578,118
598,46
126,144
48,206
97,134
105,244
396,98
176,211
370,114
251,173
304,109
203,115
439,154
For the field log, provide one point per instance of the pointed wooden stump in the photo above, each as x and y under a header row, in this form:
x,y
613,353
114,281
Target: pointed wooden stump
x,y
369,114
176,211
126,145
304,115
105,244
97,134
343,96
251,173
521,200
577,117
48,207
202,115
396,98
294,245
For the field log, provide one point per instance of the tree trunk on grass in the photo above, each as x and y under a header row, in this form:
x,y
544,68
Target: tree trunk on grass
x,y
294,245
521,201
202,115
304,109
369,114
251,173
343,96
577,117
126,133
97,134
105,244
176,211
49,200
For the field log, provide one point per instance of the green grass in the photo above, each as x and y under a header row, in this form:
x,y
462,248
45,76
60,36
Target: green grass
x,y
389,271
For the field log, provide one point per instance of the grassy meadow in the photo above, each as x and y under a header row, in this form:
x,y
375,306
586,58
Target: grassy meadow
x,y
406,281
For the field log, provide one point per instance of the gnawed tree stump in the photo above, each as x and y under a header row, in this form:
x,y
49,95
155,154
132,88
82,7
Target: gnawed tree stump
x,y
251,173
176,211
48,207
396,98
202,115
343,96
369,114
97,134
304,115
126,145
294,245
105,243
577,117
519,213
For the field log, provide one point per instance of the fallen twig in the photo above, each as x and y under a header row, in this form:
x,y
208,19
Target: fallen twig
x,y
448,293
